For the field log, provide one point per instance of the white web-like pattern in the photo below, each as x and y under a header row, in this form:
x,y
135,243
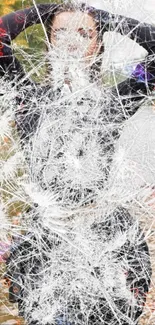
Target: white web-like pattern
x,y
82,259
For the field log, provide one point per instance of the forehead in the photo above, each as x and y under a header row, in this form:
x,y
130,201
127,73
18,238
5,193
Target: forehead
x,y
73,20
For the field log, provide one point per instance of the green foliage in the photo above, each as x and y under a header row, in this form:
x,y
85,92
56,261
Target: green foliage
x,y
29,45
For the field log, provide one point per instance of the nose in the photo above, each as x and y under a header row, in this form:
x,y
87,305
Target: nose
x,y
72,47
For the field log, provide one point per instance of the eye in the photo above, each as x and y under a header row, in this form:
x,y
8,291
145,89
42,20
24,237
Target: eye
x,y
85,34
58,32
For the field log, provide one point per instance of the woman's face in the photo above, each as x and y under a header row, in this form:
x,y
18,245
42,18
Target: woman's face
x,y
76,32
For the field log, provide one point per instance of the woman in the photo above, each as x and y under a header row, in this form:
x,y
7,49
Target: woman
x,y
91,264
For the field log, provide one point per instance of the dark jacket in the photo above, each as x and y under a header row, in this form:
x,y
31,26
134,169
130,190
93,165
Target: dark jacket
x,y
30,264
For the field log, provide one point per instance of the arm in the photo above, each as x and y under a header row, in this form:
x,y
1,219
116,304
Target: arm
x,y
143,34
142,81
11,26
